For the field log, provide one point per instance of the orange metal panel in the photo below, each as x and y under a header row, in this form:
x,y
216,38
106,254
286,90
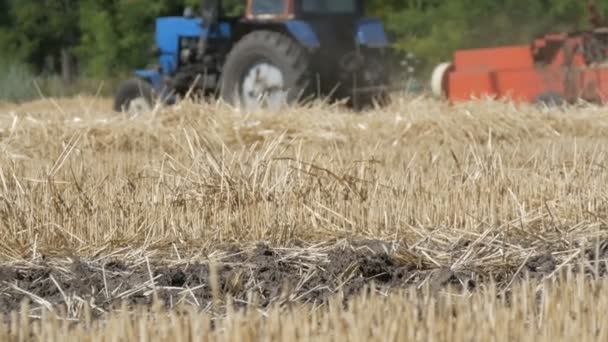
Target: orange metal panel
x,y
595,84
602,86
467,85
527,85
518,85
510,57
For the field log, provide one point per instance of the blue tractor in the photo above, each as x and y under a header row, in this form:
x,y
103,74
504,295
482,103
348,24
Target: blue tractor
x,y
276,52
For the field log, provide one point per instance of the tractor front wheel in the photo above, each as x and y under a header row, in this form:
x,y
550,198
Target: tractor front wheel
x,y
134,96
265,69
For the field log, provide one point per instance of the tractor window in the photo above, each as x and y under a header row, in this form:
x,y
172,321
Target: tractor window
x,y
329,6
268,7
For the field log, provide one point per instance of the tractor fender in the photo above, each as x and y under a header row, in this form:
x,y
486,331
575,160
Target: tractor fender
x,y
152,76
371,34
303,33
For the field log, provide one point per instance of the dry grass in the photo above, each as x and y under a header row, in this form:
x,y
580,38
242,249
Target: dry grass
x,y
481,187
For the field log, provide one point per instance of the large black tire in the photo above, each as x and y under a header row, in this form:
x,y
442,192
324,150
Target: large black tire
x,y
130,90
273,48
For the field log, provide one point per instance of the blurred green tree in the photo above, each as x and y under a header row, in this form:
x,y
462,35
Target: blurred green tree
x,y
42,33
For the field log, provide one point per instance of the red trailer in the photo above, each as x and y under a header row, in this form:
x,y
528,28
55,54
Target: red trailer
x,y
557,67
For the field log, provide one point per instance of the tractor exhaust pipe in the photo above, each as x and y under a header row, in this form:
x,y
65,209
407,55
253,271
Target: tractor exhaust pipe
x,y
209,16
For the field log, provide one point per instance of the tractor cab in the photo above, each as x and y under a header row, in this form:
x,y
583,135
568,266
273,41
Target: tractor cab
x,y
292,9
266,53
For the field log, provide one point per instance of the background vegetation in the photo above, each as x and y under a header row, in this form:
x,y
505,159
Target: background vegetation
x,y
102,39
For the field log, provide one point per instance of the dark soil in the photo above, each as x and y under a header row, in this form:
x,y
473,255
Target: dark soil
x,y
270,275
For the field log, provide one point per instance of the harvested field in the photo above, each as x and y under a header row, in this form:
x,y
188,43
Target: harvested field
x,y
421,221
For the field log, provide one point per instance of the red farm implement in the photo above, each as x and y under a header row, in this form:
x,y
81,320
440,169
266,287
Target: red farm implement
x,y
561,67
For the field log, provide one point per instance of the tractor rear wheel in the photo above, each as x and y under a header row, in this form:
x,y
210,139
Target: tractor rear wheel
x,y
134,96
265,69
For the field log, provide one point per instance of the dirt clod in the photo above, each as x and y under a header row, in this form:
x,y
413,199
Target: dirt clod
x,y
541,264
271,275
